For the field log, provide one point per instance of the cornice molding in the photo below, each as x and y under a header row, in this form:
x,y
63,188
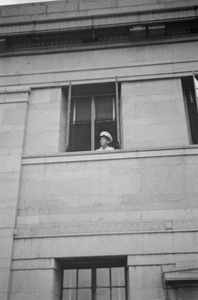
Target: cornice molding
x,y
75,20
14,96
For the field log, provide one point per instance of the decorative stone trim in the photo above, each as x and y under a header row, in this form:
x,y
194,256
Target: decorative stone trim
x,y
14,96
104,228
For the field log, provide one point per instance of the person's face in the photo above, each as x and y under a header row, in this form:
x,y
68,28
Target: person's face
x,y
104,141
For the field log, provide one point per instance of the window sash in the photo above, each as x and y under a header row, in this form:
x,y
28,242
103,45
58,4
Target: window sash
x,y
195,83
118,113
93,121
106,90
68,117
191,107
97,289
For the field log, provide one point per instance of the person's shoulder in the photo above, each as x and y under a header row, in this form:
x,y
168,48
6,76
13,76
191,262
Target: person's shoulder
x,y
108,148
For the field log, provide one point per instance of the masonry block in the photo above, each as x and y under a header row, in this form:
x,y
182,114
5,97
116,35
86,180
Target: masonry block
x,y
34,284
130,3
96,5
63,6
4,279
43,123
158,115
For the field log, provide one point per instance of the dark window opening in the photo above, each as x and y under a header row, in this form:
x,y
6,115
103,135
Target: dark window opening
x,y
94,279
191,105
93,109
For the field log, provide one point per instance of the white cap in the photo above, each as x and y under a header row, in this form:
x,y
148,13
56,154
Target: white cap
x,y
107,134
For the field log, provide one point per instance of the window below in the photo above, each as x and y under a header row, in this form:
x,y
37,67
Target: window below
x,y
91,110
188,84
94,279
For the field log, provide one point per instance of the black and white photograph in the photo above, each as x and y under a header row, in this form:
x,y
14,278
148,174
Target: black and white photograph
x,y
98,150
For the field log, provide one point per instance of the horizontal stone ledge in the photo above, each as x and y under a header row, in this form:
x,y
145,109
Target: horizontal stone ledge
x,y
164,260
67,157
105,229
14,90
33,264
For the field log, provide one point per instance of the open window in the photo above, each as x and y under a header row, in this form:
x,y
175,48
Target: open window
x,y
91,109
94,279
190,88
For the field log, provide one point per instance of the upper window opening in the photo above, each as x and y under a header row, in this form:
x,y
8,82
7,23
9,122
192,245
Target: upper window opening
x,y
92,109
189,86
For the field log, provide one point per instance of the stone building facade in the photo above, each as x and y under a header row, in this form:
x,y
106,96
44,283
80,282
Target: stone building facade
x,y
76,223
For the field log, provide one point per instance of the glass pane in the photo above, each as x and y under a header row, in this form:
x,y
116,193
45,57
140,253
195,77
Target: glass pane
x,y
104,107
103,294
69,295
190,95
83,109
103,277
69,278
118,278
80,137
84,278
118,294
84,294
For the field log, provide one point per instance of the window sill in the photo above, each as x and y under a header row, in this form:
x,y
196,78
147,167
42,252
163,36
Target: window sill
x,y
109,155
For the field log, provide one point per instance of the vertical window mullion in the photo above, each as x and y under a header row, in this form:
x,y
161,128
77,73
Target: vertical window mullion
x,y
68,117
113,109
110,281
94,285
126,282
117,112
188,85
195,84
77,284
195,89
92,123
74,112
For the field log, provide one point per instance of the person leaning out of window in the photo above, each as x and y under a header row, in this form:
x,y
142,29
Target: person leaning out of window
x,y
105,141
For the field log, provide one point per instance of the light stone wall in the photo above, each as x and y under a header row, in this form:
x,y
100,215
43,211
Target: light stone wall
x,y
155,186
43,128
33,284
142,204
35,279
153,114
12,125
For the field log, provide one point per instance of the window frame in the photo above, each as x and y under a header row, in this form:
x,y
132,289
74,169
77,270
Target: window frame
x,y
191,107
94,264
116,111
